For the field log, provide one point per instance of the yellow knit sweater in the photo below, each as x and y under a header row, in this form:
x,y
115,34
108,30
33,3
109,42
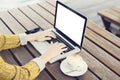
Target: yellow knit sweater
x,y
28,71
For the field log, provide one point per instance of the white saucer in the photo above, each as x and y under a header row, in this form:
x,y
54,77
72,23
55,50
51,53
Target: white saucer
x,y
65,68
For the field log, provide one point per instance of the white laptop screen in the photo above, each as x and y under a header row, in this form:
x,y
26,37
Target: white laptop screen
x,y
70,23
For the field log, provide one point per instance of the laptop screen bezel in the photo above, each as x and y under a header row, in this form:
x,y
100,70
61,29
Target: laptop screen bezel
x,y
66,37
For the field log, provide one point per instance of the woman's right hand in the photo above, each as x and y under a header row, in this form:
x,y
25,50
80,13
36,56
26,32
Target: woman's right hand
x,y
53,50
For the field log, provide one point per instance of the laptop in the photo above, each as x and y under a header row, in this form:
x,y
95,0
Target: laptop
x,y
69,28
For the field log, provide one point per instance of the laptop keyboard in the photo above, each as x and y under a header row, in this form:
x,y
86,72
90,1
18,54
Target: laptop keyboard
x,y
59,39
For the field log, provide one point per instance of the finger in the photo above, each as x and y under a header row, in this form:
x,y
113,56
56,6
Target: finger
x,y
62,45
47,38
56,43
51,34
64,49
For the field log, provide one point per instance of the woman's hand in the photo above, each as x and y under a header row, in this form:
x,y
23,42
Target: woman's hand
x,y
53,50
40,36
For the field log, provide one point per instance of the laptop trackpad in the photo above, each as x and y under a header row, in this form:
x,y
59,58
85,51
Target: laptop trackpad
x,y
40,46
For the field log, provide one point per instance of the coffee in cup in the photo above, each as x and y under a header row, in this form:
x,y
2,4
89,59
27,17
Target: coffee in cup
x,y
75,62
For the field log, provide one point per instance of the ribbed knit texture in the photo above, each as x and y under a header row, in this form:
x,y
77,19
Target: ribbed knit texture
x,y
28,71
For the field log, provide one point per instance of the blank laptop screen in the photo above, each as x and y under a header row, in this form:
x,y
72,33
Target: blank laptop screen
x,y
70,23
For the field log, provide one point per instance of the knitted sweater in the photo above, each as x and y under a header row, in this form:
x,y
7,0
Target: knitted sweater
x,y
28,71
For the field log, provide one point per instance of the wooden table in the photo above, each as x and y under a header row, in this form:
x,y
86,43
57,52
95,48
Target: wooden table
x,y
110,16
101,49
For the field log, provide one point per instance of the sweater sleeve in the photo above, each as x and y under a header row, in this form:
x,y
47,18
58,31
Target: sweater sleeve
x,y
28,71
8,41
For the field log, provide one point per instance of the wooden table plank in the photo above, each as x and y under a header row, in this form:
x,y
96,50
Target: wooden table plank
x,y
102,56
8,57
102,32
44,76
116,9
22,19
33,51
109,47
111,14
88,76
48,7
98,68
22,55
43,13
11,23
52,2
35,18
54,69
3,28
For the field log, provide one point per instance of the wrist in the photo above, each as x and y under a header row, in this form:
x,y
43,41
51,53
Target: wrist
x,y
30,37
44,58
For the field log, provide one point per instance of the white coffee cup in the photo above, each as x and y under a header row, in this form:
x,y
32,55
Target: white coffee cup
x,y
74,65
75,62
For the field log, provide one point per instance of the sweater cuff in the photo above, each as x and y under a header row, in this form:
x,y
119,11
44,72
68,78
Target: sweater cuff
x,y
40,63
23,40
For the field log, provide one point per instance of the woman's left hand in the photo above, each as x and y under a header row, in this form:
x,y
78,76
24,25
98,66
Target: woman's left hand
x,y
40,36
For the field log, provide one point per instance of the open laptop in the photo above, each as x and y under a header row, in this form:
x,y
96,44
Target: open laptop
x,y
69,27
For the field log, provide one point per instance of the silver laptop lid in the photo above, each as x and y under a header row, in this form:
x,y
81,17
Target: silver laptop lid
x,y
70,24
